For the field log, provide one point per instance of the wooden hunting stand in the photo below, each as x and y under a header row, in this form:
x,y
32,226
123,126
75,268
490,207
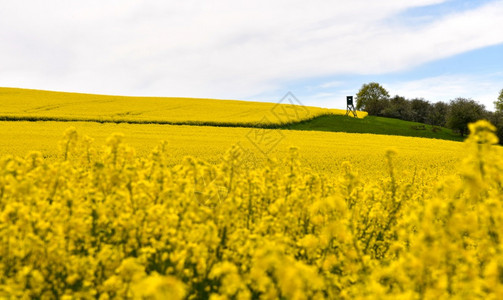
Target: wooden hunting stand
x,y
350,108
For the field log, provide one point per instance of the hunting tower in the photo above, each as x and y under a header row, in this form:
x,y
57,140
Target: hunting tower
x,y
350,107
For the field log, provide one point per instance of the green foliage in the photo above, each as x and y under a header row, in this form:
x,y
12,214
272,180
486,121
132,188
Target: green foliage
x,y
496,119
464,111
438,113
375,125
372,98
499,103
399,108
420,110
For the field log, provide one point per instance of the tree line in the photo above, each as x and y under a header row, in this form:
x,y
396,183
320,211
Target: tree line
x,y
456,114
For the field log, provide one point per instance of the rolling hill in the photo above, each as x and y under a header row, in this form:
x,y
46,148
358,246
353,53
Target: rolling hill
x,y
37,105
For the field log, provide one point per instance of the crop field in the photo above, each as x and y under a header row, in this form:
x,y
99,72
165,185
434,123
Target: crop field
x,y
92,210
324,152
23,104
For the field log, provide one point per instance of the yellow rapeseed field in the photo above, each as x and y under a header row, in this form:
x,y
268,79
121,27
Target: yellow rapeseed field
x,y
105,222
40,105
321,151
235,212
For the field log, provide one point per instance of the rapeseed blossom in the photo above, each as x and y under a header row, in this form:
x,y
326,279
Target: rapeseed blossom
x,y
106,223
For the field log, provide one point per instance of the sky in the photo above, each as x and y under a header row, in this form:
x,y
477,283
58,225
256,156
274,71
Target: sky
x,y
319,50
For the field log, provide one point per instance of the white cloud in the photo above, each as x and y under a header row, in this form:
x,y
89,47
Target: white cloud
x,y
331,84
223,49
482,88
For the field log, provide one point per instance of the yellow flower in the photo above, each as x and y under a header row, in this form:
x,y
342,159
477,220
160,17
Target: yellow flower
x,y
160,287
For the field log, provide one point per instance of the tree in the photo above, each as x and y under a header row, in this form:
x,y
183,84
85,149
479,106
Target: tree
x,y
398,107
438,114
496,118
499,103
464,111
372,98
420,109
